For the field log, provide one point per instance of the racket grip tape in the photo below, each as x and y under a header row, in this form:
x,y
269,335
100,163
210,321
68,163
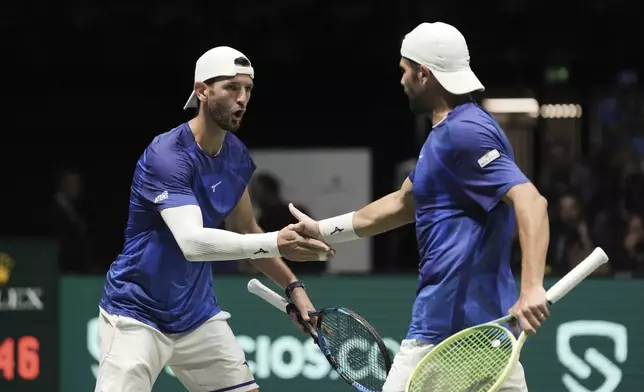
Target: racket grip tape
x,y
575,276
259,289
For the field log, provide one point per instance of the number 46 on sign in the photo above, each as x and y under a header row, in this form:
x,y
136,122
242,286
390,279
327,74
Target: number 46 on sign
x,y
21,358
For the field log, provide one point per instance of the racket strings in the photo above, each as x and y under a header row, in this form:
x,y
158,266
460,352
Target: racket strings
x,y
472,363
355,349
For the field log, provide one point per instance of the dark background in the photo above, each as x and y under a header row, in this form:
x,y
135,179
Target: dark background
x,y
88,84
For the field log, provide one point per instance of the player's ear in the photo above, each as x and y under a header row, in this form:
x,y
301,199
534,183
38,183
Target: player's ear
x,y
424,74
201,89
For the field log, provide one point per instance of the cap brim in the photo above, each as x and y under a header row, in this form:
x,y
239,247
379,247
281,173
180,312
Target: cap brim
x,y
192,101
459,82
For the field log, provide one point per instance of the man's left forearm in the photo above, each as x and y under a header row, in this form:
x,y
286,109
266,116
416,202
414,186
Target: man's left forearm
x,y
274,267
534,236
276,270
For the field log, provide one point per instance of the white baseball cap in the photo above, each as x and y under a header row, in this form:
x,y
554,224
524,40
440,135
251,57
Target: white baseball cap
x,y
219,61
442,48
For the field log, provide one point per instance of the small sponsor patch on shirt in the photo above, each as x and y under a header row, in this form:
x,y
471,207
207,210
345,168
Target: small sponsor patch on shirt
x,y
489,157
163,196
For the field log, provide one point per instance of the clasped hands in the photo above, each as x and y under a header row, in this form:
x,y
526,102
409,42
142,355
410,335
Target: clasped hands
x,y
302,241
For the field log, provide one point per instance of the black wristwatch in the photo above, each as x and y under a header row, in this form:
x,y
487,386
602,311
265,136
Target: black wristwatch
x,y
292,286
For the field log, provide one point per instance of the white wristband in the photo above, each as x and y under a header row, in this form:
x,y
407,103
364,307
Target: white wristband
x,y
338,229
260,246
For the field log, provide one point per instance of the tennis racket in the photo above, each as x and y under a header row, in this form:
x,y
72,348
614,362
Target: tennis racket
x,y
350,344
481,358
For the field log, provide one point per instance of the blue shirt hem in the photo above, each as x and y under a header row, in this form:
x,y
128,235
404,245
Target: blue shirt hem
x,y
151,323
424,339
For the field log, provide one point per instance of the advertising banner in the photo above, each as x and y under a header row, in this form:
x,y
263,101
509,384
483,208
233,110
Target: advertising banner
x,y
591,343
28,315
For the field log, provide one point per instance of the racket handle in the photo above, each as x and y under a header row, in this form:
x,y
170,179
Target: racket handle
x,y
576,275
259,289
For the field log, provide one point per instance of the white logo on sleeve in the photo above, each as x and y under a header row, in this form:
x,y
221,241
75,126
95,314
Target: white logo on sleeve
x,y
214,187
161,197
489,157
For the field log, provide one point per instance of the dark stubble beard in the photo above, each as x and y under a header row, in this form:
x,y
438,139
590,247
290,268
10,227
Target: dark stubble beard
x,y
419,103
417,106
222,117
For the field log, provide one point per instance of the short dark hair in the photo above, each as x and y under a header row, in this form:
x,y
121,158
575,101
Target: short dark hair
x,y
412,63
241,61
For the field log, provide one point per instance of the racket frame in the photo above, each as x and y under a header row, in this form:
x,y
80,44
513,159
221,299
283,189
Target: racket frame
x,y
562,287
498,323
317,332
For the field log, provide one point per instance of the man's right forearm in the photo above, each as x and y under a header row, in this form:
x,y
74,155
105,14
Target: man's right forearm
x,y
205,244
385,214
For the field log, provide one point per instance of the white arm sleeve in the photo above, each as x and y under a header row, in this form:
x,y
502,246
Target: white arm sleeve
x,y
203,244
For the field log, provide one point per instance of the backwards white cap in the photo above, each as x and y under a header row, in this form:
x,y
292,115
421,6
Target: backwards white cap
x,y
442,48
219,61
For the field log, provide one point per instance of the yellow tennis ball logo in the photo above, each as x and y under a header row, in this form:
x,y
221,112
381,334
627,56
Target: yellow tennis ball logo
x,y
6,265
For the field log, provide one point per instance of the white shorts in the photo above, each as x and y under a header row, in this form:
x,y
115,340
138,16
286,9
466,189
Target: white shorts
x,y
410,354
208,359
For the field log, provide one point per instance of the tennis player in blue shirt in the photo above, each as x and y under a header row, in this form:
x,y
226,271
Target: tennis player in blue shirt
x,y
158,306
466,196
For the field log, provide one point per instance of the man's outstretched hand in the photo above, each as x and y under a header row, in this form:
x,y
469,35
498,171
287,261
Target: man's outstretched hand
x,y
310,227
295,244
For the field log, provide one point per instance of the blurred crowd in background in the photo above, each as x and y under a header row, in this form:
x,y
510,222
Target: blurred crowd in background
x,y
326,76
595,199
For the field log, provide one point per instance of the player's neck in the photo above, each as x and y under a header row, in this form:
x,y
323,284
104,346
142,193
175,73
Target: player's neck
x,y
439,115
208,135
441,107
445,104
